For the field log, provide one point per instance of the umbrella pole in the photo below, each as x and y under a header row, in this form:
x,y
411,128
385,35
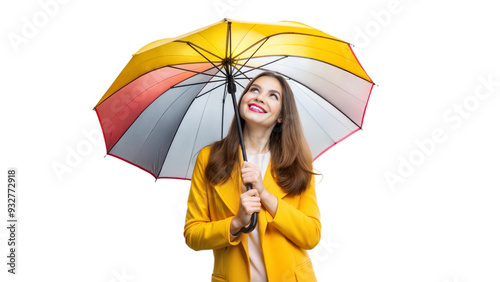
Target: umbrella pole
x,y
232,91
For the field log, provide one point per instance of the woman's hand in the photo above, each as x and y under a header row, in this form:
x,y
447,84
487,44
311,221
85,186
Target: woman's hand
x,y
249,203
250,173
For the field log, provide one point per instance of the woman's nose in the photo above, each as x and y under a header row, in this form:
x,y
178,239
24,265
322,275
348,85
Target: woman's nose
x,y
260,97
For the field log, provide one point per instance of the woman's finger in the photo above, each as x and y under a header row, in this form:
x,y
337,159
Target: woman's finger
x,y
251,207
251,201
251,193
249,167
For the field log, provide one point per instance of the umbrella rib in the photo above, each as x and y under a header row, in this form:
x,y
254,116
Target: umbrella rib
x,y
309,58
178,126
251,46
206,92
157,173
295,33
305,34
149,72
197,131
197,83
322,127
192,44
176,129
243,38
326,101
332,66
252,68
246,77
340,69
197,72
240,83
325,109
228,31
318,123
229,40
222,114
239,69
208,60
206,82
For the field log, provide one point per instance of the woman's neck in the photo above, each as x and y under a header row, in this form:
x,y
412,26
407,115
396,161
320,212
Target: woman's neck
x,y
256,141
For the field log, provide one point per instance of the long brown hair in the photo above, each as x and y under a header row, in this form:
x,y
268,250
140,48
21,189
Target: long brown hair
x,y
291,160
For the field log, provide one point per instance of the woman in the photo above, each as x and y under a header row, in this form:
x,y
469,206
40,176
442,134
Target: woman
x,y
283,194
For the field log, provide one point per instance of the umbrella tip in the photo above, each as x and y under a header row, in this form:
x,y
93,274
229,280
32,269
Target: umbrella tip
x,y
224,20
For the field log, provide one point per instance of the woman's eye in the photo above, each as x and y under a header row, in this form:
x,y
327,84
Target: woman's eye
x,y
255,90
274,96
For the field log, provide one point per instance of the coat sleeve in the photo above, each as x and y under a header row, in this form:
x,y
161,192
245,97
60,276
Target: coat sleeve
x,y
199,231
301,225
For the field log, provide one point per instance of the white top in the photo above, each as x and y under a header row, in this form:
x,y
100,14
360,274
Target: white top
x,y
257,268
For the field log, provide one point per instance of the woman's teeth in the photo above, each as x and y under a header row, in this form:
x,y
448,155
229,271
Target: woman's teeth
x,y
256,109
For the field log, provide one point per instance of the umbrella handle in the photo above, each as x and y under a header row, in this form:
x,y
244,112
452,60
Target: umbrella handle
x,y
231,87
253,219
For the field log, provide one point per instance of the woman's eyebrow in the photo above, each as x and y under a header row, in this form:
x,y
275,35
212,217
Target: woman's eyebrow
x,y
272,90
275,91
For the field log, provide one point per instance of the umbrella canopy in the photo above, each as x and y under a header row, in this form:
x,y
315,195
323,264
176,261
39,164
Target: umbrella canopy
x,y
170,99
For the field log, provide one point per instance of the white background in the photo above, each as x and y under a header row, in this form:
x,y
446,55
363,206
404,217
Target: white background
x,y
86,217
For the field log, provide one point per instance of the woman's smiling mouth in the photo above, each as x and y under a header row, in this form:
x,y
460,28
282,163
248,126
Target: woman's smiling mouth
x,y
256,108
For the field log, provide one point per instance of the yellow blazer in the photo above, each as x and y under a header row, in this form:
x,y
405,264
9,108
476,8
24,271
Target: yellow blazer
x,y
285,237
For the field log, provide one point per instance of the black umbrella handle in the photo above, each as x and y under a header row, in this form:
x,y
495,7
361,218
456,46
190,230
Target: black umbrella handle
x,y
232,90
253,219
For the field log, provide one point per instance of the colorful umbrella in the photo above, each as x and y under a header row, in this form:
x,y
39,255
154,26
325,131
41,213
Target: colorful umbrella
x,y
170,99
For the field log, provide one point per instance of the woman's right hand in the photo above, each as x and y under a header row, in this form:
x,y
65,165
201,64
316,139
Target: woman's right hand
x,y
249,204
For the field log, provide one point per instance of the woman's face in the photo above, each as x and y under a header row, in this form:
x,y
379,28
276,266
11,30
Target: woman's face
x,y
261,105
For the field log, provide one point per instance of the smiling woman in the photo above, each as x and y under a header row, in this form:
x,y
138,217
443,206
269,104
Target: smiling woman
x,y
261,106
282,135
281,173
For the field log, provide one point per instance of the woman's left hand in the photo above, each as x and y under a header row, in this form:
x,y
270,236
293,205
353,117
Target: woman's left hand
x,y
250,173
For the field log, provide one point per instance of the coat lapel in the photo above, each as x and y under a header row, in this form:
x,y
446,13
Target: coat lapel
x,y
271,185
274,189
229,193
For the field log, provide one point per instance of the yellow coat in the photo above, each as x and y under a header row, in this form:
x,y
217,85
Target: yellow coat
x,y
285,237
